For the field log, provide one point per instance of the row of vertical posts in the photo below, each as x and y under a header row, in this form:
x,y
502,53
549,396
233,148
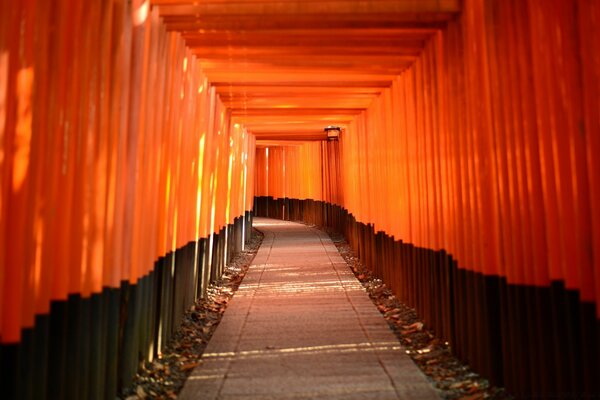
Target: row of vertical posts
x,y
470,186
124,189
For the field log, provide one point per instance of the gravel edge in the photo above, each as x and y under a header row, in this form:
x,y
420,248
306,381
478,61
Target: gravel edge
x,y
452,378
164,377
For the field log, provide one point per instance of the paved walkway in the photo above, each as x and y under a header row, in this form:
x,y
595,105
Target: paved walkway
x,y
301,326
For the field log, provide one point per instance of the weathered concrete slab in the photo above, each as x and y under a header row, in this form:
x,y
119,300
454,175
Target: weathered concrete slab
x,y
302,327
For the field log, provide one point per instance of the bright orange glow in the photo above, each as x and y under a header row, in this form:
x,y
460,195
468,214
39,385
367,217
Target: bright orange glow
x,y
213,207
141,9
4,58
229,188
469,155
200,169
297,172
114,172
22,146
37,266
3,92
468,151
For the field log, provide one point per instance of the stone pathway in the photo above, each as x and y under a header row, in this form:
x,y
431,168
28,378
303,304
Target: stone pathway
x,y
301,326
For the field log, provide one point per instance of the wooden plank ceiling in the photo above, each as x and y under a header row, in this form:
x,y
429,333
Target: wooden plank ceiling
x,y
289,68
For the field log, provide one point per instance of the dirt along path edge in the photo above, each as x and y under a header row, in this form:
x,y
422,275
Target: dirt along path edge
x,y
163,378
452,378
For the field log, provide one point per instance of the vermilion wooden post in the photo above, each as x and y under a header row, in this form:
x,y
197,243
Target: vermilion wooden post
x,y
489,135
466,176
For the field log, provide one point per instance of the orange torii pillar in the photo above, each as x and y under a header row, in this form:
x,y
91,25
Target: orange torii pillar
x,y
471,187
124,189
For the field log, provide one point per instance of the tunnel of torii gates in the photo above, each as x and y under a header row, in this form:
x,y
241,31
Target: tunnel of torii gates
x,y
138,139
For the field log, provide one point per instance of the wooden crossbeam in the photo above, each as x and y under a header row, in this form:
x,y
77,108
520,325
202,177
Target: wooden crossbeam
x,y
288,68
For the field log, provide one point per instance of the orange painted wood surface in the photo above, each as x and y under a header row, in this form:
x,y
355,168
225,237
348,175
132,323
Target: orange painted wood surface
x,y
127,130
114,150
486,147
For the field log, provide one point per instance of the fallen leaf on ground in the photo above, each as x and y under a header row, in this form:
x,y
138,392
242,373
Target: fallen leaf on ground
x,y
417,326
140,392
460,385
188,366
392,312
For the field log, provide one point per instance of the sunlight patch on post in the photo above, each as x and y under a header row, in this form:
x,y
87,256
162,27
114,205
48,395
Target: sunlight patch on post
x,y
22,145
140,14
3,92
